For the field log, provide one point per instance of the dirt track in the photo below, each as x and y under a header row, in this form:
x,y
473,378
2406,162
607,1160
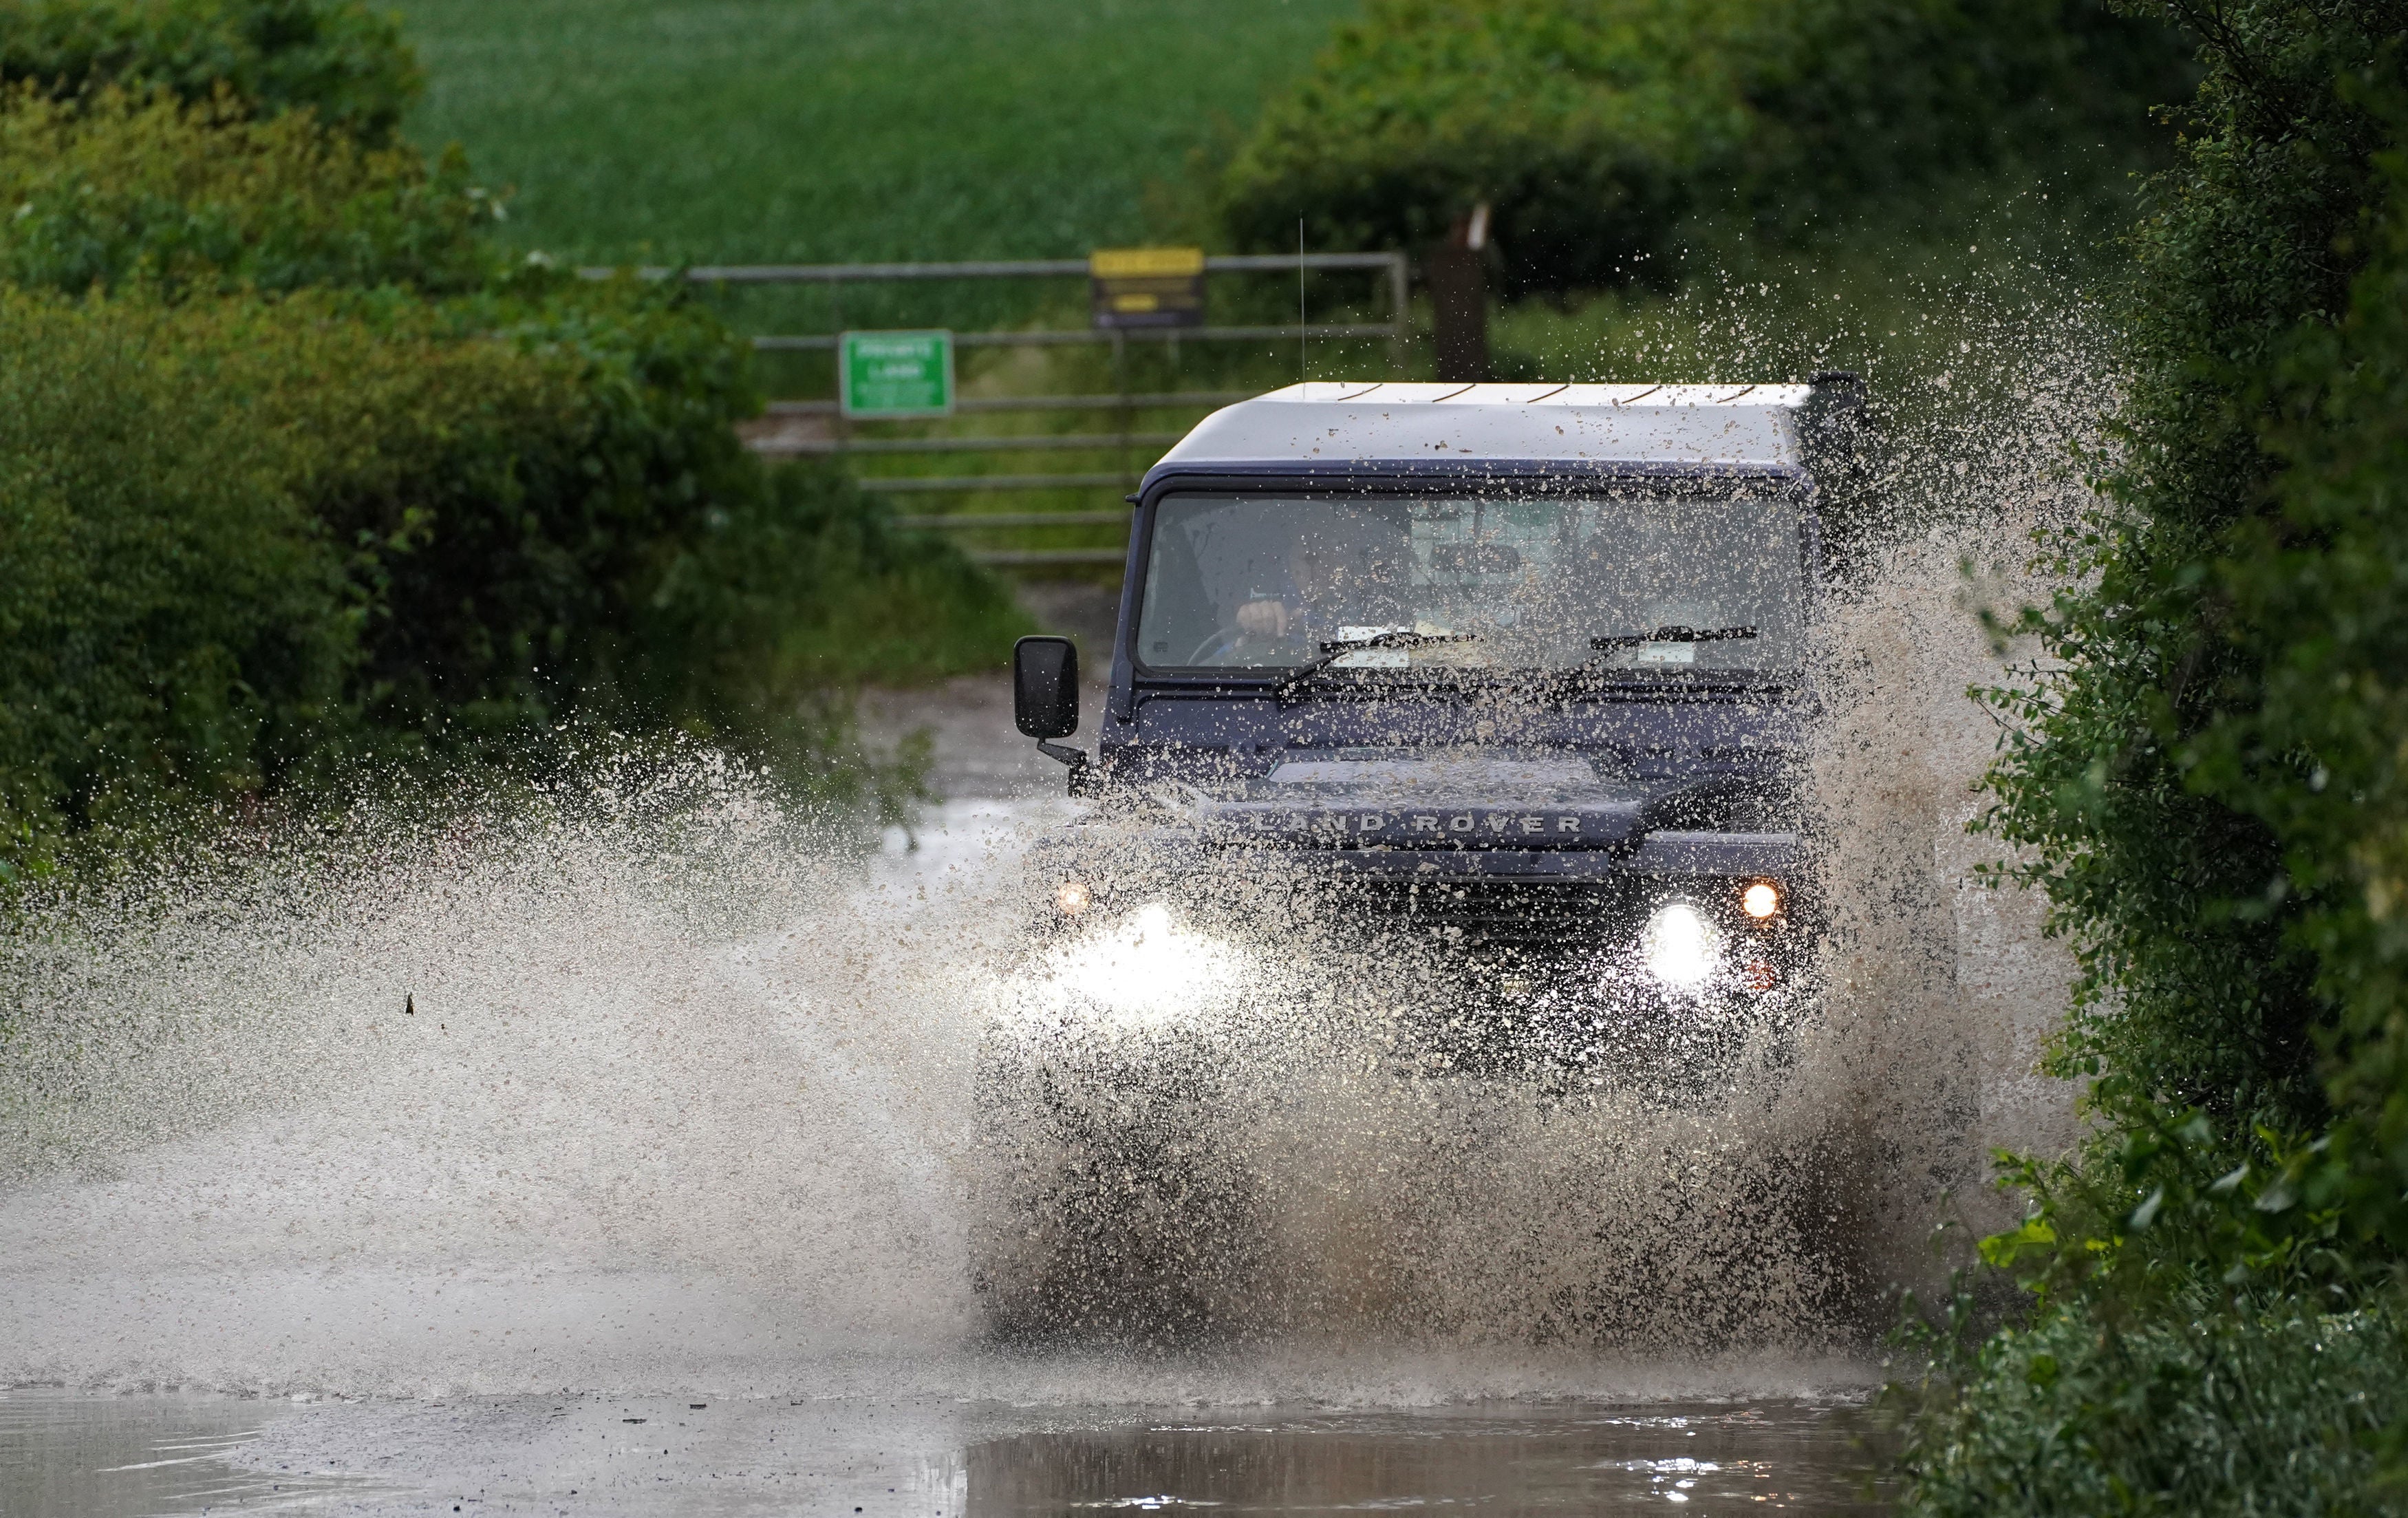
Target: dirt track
x,y
978,752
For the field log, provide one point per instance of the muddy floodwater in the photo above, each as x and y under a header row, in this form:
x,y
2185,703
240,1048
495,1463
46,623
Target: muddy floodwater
x,y
125,1456
609,1151
361,1321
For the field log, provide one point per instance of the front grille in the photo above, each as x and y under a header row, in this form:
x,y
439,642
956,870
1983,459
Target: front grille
x,y
1503,914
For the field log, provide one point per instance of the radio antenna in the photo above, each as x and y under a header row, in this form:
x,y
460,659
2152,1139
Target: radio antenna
x,y
1300,301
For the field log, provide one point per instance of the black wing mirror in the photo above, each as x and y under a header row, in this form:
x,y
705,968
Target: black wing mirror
x,y
1045,686
1045,699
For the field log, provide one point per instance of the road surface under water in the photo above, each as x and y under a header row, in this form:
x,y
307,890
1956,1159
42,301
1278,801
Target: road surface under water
x,y
130,1456
664,1213
170,1265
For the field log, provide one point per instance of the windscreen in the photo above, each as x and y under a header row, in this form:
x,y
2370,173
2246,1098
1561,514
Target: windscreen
x,y
1661,582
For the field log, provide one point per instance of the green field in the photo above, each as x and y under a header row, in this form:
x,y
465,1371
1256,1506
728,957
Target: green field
x,y
840,130
756,130
759,131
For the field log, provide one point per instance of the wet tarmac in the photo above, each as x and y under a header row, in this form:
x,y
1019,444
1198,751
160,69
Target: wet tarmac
x,y
128,1456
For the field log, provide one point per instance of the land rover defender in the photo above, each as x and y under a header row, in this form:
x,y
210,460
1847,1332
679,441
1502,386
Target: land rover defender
x,y
1505,684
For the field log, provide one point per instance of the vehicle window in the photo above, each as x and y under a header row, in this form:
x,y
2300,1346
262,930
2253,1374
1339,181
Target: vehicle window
x,y
1268,582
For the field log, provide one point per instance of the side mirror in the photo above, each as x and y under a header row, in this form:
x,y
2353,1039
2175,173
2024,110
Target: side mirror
x,y
1045,686
1045,702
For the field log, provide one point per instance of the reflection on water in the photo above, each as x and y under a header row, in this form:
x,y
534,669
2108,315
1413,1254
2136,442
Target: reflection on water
x,y
98,1454
128,1456
1533,1460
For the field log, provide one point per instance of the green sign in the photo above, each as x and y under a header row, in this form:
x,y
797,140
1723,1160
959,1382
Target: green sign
x,y
896,373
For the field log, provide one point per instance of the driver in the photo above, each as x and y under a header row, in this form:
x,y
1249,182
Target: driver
x,y
1347,572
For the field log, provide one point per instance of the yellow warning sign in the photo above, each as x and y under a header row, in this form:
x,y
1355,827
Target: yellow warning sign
x,y
1147,287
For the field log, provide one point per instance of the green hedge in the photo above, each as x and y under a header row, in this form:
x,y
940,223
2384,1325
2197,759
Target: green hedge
x,y
2317,752
115,188
2132,771
1593,127
173,618
247,539
294,477
2205,1411
344,62
2205,776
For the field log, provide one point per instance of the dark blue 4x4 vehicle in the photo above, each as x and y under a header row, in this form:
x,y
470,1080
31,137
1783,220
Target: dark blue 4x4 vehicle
x,y
1507,680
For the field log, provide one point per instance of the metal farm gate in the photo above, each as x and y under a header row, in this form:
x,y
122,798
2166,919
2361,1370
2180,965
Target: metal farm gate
x,y
795,428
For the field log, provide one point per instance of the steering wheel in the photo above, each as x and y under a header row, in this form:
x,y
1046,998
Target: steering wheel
x,y
1223,638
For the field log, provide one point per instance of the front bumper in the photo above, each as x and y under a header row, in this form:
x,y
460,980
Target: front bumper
x,y
1585,905
1541,964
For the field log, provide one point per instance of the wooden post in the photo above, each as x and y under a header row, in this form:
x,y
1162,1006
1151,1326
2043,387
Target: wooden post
x,y
1459,299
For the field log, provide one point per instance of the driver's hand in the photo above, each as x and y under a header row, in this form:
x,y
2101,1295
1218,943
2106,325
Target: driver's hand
x,y
1263,618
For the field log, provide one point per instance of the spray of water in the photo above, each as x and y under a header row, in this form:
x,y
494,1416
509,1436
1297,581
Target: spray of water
x,y
651,1082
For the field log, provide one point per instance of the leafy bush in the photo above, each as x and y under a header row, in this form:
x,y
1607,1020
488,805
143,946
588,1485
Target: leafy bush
x,y
1593,127
172,618
2203,1409
345,64
2121,772
2208,1337
292,475
2205,777
637,560
246,539
2318,588
115,188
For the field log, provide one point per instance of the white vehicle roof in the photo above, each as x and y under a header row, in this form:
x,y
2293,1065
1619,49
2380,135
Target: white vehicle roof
x,y
1326,423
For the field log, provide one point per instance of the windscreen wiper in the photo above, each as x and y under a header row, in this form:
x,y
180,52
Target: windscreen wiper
x,y
1670,635
1331,652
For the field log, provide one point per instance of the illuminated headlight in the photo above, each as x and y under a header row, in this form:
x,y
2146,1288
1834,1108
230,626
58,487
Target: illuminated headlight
x,y
1072,898
1146,967
1761,899
1679,945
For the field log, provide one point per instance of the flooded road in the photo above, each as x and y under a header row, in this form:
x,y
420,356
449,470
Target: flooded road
x,y
579,1259
613,1158
135,1456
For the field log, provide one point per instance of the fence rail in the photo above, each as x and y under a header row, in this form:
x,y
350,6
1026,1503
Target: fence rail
x,y
927,484
955,521
1135,400
1034,442
825,342
1008,268
1041,556
973,521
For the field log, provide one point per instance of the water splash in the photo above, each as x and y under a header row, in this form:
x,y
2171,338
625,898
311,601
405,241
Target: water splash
x,y
651,1082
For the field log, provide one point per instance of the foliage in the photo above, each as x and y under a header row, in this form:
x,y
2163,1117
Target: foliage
x,y
343,63
114,188
2118,773
1593,128
295,476
2203,777
171,618
2209,1335
2199,1408
250,539
2318,591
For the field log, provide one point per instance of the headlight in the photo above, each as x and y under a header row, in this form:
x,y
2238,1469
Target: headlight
x,y
1147,968
1679,945
1761,899
1072,898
